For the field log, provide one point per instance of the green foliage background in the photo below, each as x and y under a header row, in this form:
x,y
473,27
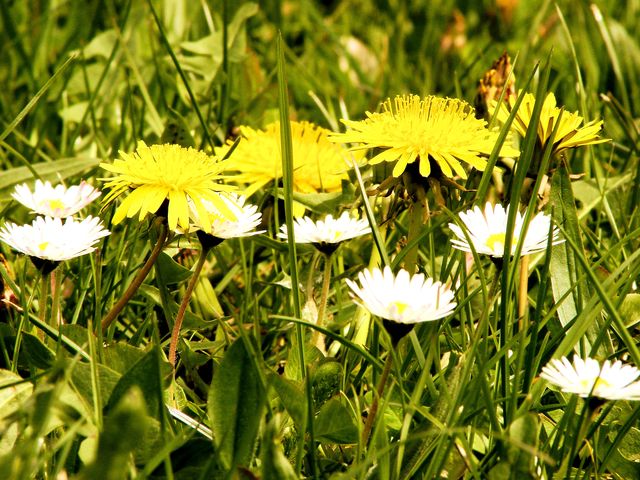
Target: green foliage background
x,y
83,80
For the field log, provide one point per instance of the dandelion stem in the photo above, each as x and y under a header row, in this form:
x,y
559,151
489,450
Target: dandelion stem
x,y
56,317
373,411
416,222
324,296
44,295
177,325
137,281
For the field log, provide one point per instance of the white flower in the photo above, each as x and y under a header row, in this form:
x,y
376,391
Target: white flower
x,y
247,218
487,231
58,201
328,231
610,381
402,298
48,238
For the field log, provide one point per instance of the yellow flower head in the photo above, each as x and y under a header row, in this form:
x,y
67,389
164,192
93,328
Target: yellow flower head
x,y
570,134
318,165
162,173
410,128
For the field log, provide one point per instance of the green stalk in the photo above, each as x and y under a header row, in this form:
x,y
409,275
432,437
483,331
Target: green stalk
x,y
416,223
287,183
177,325
56,320
138,279
324,296
373,411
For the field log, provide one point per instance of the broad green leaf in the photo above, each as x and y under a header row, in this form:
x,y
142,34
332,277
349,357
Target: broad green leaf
x,y
12,393
124,432
335,423
120,357
172,272
148,376
37,352
326,381
274,463
292,396
81,381
568,291
236,400
630,309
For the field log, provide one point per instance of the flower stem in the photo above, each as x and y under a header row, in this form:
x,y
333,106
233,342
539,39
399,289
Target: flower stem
x,y
373,411
177,325
138,279
42,304
322,308
56,287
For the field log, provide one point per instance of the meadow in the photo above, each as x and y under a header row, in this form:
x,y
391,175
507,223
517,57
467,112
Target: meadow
x,y
319,239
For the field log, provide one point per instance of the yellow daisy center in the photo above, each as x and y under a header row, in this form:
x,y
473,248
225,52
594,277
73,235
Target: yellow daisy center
x,y
55,204
599,383
43,246
495,239
400,306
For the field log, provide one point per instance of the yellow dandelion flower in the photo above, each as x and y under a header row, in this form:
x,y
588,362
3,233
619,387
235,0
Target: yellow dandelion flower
x,y
570,134
318,165
171,173
410,128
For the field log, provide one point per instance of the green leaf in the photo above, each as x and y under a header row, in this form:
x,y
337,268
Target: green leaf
x,y
124,431
630,309
146,374
120,357
274,462
326,381
13,396
568,292
235,406
37,352
335,423
82,383
172,272
292,396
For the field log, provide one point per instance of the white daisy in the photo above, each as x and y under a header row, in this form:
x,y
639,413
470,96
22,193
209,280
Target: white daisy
x,y
402,298
247,218
58,201
48,238
610,381
328,233
487,231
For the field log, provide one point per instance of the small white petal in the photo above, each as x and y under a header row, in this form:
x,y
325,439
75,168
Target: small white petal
x,y
328,230
402,298
610,381
247,218
50,239
487,232
58,201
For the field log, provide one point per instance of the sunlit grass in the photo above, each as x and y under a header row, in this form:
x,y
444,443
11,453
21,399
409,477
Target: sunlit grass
x,y
278,371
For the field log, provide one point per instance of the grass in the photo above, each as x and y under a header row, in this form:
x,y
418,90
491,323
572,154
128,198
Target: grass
x,y
251,395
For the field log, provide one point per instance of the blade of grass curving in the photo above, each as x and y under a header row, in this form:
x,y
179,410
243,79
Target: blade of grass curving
x,y
287,178
36,98
611,52
183,77
377,238
563,267
510,263
225,62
